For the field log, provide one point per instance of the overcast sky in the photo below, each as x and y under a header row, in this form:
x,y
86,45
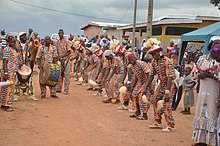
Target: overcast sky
x,y
16,17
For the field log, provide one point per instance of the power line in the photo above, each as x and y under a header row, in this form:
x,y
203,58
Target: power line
x,y
126,11
64,12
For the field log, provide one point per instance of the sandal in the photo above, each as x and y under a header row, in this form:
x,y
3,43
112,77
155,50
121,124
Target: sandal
x,y
107,100
168,129
3,107
140,118
89,89
123,107
115,101
183,111
54,96
9,109
199,144
186,113
65,92
155,126
144,117
134,115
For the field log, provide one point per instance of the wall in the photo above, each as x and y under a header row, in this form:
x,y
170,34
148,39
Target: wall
x,y
92,31
117,33
165,39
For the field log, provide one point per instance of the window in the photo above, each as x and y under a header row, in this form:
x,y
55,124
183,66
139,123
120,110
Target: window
x,y
178,30
156,30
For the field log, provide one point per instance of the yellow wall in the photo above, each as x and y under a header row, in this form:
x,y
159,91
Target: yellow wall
x,y
165,39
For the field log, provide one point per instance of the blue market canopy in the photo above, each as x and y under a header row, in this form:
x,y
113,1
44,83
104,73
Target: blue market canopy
x,y
201,35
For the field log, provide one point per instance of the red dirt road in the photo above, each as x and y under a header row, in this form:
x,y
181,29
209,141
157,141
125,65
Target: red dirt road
x,y
81,119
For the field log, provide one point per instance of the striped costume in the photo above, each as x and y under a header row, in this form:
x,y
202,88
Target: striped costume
x,y
101,63
112,88
80,62
130,83
104,68
73,57
3,45
46,54
86,67
164,69
140,70
7,92
63,46
106,65
94,69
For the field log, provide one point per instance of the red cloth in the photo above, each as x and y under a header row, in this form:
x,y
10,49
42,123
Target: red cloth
x,y
131,55
155,48
169,50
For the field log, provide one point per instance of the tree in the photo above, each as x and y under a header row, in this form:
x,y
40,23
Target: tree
x,y
216,3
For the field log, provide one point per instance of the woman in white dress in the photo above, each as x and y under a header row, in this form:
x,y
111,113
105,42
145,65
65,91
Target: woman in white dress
x,y
207,110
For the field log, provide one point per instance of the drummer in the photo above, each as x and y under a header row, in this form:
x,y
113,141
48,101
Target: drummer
x,y
64,51
47,53
34,45
26,58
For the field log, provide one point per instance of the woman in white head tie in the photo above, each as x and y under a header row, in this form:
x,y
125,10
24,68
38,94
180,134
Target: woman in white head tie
x,y
207,110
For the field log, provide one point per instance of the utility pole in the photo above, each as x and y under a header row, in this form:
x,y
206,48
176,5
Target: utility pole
x,y
149,19
134,24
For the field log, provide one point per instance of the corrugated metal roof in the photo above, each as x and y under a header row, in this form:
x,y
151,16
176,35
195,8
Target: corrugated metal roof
x,y
169,19
192,17
176,16
208,18
102,24
173,19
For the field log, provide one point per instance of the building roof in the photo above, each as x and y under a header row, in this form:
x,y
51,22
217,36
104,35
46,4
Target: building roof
x,y
173,19
102,24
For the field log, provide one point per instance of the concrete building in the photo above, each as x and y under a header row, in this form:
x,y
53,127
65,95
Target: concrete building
x,y
165,29
93,28
169,27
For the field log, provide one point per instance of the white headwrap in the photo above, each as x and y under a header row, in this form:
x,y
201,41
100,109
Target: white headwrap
x,y
108,53
214,38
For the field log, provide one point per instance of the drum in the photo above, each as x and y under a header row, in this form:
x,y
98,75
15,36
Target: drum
x,y
50,74
24,74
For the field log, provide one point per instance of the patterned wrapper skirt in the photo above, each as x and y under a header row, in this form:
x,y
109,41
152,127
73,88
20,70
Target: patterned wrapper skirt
x,y
7,92
207,113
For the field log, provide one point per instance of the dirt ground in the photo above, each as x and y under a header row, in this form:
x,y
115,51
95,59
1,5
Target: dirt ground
x,y
81,119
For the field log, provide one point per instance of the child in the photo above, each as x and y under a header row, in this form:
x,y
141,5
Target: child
x,y
188,85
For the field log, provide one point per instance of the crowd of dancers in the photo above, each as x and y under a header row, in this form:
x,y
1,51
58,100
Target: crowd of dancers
x,y
114,71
